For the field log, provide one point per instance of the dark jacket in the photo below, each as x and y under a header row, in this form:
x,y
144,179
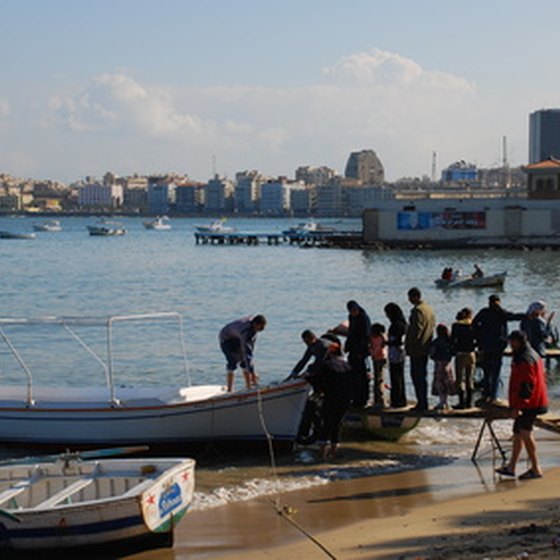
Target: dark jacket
x,y
240,336
462,337
538,333
359,330
491,328
441,349
316,350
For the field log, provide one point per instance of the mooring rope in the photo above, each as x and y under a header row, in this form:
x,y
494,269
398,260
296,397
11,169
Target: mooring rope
x,y
286,512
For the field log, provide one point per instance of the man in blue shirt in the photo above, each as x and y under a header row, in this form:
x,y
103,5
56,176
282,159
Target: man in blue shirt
x,y
237,341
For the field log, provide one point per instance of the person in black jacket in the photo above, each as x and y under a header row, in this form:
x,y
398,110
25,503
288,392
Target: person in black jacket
x,y
396,354
491,330
357,347
464,345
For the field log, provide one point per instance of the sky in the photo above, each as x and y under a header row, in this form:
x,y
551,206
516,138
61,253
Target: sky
x,y
193,86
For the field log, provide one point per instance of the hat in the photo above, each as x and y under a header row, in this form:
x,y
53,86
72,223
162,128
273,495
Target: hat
x,y
536,307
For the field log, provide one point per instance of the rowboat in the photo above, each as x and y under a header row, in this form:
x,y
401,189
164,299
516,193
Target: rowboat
x,y
384,424
50,226
111,414
68,502
106,228
157,224
491,281
16,235
216,226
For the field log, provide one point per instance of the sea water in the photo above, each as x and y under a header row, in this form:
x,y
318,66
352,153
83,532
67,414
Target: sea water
x,y
71,273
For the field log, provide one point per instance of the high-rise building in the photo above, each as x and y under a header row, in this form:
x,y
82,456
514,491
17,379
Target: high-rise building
x,y
365,167
544,135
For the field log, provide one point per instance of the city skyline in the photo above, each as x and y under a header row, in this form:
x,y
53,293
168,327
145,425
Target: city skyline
x,y
149,87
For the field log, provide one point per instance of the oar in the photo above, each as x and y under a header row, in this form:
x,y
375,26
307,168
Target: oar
x,y
68,455
10,516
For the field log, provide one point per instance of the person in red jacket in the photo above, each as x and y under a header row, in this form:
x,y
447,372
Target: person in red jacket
x,y
527,399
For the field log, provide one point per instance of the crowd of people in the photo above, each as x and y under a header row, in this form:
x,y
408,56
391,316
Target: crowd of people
x,y
340,373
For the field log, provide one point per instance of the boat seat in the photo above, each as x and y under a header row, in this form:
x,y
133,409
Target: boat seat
x,y
19,487
64,493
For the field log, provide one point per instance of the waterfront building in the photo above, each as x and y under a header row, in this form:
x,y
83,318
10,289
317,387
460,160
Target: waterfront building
x,y
189,197
311,175
358,198
460,172
247,190
544,135
135,193
329,198
218,195
302,199
275,196
161,195
543,179
365,167
97,195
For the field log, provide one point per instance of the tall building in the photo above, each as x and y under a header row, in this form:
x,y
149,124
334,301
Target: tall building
x,y
247,190
218,195
365,167
161,195
275,196
311,175
544,135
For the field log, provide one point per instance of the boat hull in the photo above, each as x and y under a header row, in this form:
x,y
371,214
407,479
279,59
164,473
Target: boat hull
x,y
494,281
379,424
146,516
226,416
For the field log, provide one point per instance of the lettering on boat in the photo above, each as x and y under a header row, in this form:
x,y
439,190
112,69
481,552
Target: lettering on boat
x,y
170,499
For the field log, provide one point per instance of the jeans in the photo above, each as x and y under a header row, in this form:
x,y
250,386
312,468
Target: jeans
x,y
491,366
419,374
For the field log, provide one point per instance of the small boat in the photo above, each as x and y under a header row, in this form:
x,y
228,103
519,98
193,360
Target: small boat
x,y
157,223
51,226
107,228
68,502
112,414
216,226
310,227
16,235
490,281
383,424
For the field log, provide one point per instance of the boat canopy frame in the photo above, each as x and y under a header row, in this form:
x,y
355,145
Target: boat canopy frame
x,y
90,321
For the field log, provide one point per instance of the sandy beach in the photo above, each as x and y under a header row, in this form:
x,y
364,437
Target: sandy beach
x,y
457,510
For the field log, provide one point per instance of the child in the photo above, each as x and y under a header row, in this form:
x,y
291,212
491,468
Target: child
x,y
378,351
464,344
441,351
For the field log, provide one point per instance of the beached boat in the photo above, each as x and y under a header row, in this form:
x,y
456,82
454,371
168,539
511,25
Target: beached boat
x,y
16,235
384,424
50,226
106,228
310,227
70,503
216,226
490,281
115,415
157,224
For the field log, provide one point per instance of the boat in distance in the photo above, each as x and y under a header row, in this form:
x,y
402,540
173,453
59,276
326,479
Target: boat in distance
x,y
215,226
50,226
490,281
158,224
16,235
109,414
106,228
67,503
310,227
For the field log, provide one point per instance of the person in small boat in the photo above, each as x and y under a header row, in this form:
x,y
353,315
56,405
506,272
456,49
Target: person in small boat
x,y
417,341
333,376
316,348
527,399
357,347
396,354
447,274
237,342
464,345
441,352
378,351
537,327
478,272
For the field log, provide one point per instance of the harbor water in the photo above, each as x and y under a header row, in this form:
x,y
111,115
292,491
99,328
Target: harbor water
x,y
73,274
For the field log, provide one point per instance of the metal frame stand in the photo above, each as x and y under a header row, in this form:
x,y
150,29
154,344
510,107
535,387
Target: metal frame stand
x,y
488,423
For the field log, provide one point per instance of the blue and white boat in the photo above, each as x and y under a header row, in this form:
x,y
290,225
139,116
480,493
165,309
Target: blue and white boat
x,y
68,503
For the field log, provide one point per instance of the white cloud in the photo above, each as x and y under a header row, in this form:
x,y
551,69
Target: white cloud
x,y
373,99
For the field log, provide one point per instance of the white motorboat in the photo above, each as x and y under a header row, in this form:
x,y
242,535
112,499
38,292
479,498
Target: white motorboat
x,y
16,235
51,226
114,415
106,228
216,226
310,227
67,503
158,224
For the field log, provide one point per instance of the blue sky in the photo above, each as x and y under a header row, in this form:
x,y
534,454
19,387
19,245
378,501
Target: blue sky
x,y
152,86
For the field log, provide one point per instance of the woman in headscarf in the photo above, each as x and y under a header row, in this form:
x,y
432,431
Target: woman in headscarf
x,y
537,327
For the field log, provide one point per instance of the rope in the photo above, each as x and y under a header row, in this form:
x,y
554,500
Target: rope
x,y
285,512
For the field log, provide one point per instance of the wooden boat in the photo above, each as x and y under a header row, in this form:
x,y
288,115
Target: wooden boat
x,y
70,503
384,424
491,281
112,415
50,226
16,235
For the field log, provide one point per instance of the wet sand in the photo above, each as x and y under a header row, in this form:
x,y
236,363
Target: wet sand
x,y
452,511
